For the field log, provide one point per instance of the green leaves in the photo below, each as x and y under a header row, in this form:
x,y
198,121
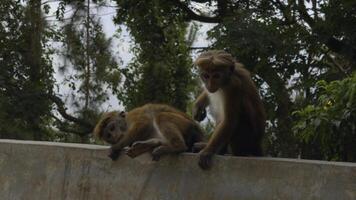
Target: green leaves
x,y
89,54
161,69
331,122
25,72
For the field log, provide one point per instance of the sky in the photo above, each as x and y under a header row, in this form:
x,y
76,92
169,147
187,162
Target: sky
x,y
120,45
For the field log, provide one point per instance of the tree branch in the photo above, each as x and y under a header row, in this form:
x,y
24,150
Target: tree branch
x,y
50,1
335,45
304,14
63,111
334,62
283,112
73,131
346,50
198,48
222,8
286,12
62,127
201,1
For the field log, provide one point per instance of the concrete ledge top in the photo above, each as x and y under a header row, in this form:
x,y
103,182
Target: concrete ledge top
x,y
56,144
105,148
49,170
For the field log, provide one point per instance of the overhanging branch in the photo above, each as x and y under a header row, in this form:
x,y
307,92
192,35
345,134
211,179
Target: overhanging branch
x,y
202,1
286,12
63,112
64,128
334,44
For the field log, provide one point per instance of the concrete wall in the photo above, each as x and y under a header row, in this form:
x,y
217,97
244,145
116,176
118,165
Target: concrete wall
x,y
43,170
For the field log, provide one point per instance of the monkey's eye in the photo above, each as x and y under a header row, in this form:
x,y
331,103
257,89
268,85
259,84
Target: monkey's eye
x,y
111,127
205,76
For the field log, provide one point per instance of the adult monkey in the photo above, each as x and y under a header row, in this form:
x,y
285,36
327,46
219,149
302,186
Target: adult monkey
x,y
234,104
156,128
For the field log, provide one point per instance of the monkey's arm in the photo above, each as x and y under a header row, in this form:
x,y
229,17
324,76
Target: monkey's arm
x,y
137,131
218,140
199,112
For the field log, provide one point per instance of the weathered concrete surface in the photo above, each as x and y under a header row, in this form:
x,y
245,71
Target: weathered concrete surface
x,y
41,170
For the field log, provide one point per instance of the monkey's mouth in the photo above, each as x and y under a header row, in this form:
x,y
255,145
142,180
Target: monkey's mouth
x,y
114,140
212,90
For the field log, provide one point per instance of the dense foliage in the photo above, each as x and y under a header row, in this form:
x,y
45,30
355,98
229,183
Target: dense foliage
x,y
327,128
288,47
90,69
25,73
161,69
302,55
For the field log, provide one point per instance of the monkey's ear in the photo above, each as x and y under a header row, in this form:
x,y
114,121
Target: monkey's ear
x,y
122,114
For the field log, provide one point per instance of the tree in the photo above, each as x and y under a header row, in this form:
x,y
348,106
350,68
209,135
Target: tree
x,y
287,46
26,72
90,69
27,100
327,128
161,71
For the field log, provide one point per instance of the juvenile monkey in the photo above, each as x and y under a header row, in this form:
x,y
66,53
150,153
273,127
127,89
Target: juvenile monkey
x,y
155,128
234,104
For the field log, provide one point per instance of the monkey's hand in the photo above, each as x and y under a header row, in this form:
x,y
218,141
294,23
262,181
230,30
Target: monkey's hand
x,y
198,146
114,154
199,112
137,148
205,159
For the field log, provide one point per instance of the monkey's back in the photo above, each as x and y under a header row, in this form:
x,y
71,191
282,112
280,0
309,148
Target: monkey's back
x,y
189,129
250,124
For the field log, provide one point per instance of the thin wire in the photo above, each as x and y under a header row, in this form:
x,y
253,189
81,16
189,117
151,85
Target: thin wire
x,y
69,18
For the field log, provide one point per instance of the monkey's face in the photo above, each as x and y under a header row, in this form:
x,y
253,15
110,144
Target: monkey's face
x,y
214,80
115,129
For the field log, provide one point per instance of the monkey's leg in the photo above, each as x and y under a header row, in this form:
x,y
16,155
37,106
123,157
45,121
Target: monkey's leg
x,y
167,149
141,147
174,142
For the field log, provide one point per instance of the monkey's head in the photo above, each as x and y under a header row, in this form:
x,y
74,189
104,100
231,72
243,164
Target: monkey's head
x,y
111,127
215,69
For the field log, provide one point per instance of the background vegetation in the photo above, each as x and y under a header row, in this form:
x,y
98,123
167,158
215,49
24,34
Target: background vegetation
x,y
302,54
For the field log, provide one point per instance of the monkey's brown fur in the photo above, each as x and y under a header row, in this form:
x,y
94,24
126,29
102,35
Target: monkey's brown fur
x,y
157,128
238,112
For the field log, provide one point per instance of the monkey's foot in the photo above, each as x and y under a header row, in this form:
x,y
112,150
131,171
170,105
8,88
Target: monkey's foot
x,y
205,160
198,146
131,152
141,145
157,152
138,148
114,154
